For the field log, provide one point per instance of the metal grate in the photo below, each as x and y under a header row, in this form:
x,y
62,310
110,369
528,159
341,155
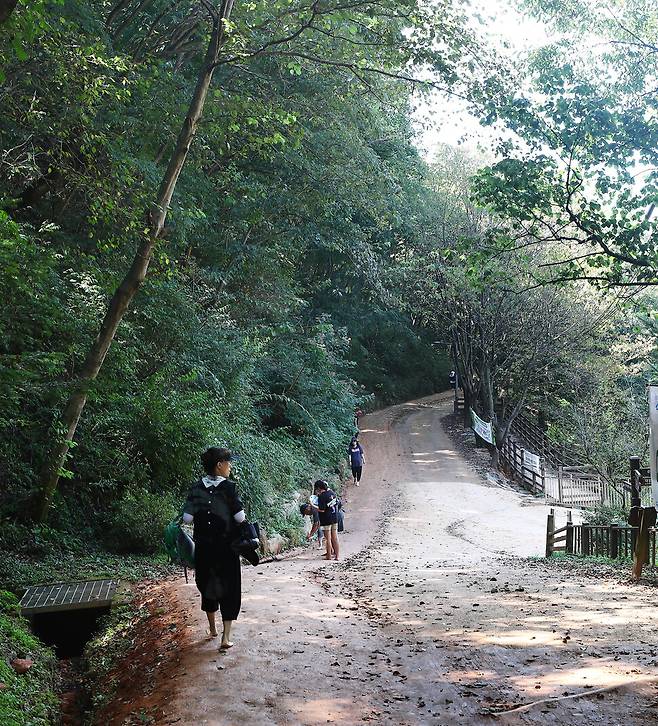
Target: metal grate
x,y
68,596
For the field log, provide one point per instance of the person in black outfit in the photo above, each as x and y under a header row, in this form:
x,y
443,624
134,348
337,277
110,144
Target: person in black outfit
x,y
357,459
215,508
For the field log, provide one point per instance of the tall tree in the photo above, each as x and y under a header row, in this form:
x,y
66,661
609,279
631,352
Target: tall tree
x,y
367,43
124,294
579,150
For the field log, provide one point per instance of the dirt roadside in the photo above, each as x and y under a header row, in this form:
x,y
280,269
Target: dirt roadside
x,y
432,617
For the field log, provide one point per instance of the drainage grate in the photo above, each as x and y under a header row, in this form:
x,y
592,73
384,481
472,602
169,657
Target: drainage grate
x,y
68,596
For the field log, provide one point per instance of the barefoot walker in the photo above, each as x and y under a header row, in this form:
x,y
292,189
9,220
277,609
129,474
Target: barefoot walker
x,y
216,510
328,513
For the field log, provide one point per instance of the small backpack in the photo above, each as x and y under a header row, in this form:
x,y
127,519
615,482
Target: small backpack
x,y
178,544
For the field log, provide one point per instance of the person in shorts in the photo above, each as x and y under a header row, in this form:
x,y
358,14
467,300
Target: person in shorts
x,y
328,513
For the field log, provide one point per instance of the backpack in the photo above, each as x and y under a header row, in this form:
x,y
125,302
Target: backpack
x,y
338,504
178,544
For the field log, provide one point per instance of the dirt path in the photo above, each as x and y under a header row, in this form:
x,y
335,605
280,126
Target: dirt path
x,y
431,617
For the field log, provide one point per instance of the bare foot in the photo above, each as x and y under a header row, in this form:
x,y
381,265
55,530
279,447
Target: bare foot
x,y
211,633
226,644
336,557
326,557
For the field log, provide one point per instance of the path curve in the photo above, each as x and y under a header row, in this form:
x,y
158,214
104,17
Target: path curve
x,y
432,617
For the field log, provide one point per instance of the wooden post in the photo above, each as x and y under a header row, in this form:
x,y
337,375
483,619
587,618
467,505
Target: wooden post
x,y
636,481
641,548
641,553
569,540
586,538
514,476
614,541
550,528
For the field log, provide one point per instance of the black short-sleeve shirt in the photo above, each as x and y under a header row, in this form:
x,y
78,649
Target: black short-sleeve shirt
x,y
213,509
327,501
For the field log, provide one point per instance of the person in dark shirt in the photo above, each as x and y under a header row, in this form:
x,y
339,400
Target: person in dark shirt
x,y
215,508
357,459
357,416
328,513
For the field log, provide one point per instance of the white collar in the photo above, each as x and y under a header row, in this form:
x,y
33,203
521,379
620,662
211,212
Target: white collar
x,y
212,481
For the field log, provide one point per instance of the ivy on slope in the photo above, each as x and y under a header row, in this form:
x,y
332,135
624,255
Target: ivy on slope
x,y
267,314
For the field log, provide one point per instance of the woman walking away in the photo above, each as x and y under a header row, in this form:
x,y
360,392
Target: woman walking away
x,y
357,459
216,510
328,513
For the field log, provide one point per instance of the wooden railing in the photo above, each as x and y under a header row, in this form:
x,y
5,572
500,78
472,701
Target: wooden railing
x,y
574,486
615,541
529,432
512,458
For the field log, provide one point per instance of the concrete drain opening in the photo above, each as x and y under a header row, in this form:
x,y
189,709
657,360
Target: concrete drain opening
x,y
65,615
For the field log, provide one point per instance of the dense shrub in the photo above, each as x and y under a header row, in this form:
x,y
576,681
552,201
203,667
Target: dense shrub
x,y
265,316
139,520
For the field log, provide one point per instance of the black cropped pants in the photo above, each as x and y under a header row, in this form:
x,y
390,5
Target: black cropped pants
x,y
218,579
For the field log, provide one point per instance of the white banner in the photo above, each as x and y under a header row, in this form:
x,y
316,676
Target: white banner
x,y
653,439
532,461
483,429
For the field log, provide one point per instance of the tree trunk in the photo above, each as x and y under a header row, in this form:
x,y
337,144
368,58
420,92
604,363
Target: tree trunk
x,y
133,279
495,456
468,404
7,7
116,10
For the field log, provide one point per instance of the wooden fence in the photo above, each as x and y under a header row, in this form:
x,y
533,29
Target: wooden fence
x,y
569,485
580,488
615,541
512,457
526,430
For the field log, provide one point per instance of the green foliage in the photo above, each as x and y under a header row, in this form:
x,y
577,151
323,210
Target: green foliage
x,y
30,697
9,603
139,520
577,163
268,312
21,570
394,360
607,515
113,640
601,414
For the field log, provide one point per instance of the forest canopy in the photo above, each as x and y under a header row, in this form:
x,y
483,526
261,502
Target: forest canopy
x,y
216,227
265,316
